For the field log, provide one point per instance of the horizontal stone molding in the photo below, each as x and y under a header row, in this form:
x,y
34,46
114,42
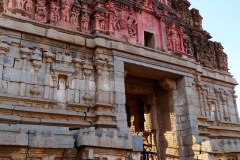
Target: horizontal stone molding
x,y
36,136
105,138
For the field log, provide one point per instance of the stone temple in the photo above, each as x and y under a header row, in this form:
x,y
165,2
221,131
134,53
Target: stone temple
x,y
113,80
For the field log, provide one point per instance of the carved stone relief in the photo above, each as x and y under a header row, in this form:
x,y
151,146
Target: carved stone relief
x,y
121,21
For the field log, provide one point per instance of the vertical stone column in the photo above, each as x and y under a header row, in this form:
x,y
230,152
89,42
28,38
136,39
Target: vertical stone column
x,y
69,83
110,66
225,110
120,97
49,59
55,86
200,90
226,99
37,64
87,71
168,130
218,106
204,95
3,49
200,94
187,127
99,66
235,105
222,100
78,67
25,53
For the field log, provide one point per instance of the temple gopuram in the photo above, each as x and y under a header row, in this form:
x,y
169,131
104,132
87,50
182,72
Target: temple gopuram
x,y
113,80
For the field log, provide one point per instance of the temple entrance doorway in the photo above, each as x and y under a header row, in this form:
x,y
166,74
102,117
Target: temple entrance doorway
x,y
149,110
139,112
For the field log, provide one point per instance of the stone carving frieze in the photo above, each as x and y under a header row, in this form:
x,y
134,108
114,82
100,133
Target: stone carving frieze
x,y
49,75
121,20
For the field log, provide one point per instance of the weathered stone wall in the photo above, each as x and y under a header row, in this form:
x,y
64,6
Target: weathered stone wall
x,y
171,26
47,82
62,82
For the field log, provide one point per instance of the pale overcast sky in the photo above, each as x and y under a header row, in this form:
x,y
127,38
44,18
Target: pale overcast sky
x,y
221,18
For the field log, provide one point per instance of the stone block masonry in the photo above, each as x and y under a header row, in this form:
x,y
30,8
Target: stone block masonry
x,y
113,80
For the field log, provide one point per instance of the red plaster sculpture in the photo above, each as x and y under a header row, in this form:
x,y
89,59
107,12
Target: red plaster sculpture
x,y
19,7
111,12
55,11
85,22
66,15
27,6
117,22
75,16
175,38
128,21
41,12
102,23
132,24
19,4
187,45
66,8
9,4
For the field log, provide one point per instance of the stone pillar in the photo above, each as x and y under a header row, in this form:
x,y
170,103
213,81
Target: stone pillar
x,y
55,86
25,53
168,147
99,66
78,67
68,89
120,97
204,95
218,105
226,111
37,64
222,100
49,59
187,127
110,66
87,71
200,96
3,49
235,105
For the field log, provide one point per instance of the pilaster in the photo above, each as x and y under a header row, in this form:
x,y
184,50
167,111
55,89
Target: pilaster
x,y
4,48
187,127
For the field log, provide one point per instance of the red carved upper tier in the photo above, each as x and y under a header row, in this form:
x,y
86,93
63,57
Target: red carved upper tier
x,y
166,25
